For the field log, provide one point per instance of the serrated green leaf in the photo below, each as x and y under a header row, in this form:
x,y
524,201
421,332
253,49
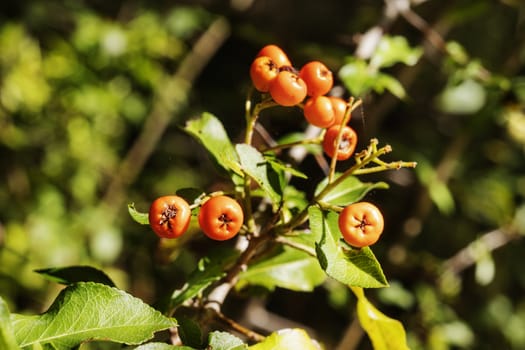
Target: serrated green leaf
x,y
225,341
90,311
395,49
350,190
208,270
384,332
7,335
287,339
74,274
257,167
289,268
350,266
210,132
141,218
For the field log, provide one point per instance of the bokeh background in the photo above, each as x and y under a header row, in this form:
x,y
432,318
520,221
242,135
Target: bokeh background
x,y
93,95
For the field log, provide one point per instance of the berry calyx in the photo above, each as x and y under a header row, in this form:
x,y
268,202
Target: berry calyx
x,y
220,218
361,224
276,54
169,216
262,71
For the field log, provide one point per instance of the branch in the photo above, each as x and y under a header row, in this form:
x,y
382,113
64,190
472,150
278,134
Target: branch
x,y
251,335
470,255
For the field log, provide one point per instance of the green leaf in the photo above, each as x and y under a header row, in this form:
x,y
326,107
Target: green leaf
x,y
289,268
90,311
162,346
7,335
209,269
210,132
189,331
350,190
141,218
225,341
357,77
395,49
384,332
350,266
74,274
257,167
387,82
279,166
287,339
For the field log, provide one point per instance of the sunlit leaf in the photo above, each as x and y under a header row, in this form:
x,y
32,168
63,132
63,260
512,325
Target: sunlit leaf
x,y
90,311
351,266
287,339
74,274
162,346
384,332
467,97
350,190
280,166
141,218
225,341
389,83
210,132
289,268
357,77
258,168
395,49
7,335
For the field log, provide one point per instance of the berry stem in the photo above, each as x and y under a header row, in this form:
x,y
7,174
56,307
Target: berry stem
x,y
352,105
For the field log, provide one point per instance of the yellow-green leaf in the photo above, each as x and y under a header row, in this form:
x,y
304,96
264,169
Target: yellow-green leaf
x,y
287,339
384,332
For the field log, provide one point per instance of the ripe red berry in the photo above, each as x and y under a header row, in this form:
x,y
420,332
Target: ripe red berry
x,y
220,218
361,224
339,107
287,89
347,145
276,54
262,71
169,216
318,78
319,111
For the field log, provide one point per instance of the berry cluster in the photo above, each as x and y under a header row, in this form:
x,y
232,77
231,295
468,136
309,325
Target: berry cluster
x,y
272,72
220,217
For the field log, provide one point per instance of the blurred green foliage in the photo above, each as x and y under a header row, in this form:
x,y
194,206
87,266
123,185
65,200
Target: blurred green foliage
x,y
78,81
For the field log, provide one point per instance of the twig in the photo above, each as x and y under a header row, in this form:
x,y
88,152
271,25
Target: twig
x,y
352,336
302,247
219,293
469,255
251,335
